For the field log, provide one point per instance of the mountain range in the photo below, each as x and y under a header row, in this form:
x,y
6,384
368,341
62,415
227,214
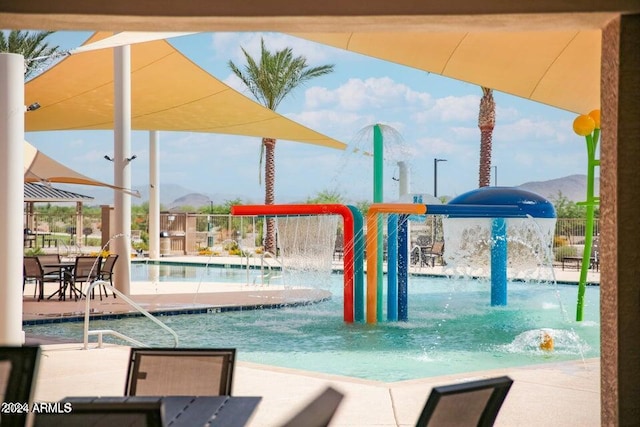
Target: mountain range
x,y
172,196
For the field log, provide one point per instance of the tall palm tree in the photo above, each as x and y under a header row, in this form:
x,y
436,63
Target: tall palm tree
x,y
270,80
29,44
486,123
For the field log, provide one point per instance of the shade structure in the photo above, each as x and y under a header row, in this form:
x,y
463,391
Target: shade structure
x,y
39,167
558,67
168,93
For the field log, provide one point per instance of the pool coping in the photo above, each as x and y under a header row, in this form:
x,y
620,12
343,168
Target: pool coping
x,y
67,311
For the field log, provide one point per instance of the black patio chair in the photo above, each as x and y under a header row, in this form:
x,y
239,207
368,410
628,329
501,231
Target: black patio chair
x,y
18,372
468,404
180,372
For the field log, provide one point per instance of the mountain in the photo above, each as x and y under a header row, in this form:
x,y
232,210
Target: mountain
x,y
171,196
573,187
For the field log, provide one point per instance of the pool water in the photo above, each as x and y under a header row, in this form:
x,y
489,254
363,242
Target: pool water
x,y
451,329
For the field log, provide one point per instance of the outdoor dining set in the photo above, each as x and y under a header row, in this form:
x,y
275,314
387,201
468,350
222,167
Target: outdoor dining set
x,y
193,387
69,274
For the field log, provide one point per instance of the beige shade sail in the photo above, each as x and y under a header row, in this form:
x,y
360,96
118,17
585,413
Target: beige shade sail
x,y
39,167
168,93
558,68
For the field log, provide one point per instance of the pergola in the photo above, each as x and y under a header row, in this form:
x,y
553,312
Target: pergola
x,y
619,84
40,193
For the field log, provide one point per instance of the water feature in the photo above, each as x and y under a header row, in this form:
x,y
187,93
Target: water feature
x,y
452,329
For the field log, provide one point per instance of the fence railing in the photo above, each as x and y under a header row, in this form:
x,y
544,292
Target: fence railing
x,y
191,233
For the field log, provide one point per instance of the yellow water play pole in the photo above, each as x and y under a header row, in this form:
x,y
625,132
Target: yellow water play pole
x,y
374,292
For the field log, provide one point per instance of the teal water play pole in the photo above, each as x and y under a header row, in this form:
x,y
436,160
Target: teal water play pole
x,y
498,262
378,161
589,127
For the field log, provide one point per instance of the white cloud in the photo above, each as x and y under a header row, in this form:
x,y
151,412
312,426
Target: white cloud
x,y
357,94
526,129
451,108
228,46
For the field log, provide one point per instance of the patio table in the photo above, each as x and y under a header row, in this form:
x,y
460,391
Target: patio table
x,y
188,411
66,273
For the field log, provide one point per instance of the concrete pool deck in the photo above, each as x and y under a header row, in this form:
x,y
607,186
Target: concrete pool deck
x,y
553,394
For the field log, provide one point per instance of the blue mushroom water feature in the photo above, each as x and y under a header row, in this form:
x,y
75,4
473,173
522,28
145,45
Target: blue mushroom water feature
x,y
500,204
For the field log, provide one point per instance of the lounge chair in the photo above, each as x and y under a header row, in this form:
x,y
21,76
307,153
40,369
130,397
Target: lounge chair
x,y
18,372
180,372
318,412
473,403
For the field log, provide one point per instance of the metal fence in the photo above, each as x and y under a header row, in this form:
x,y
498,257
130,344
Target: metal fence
x,y
191,233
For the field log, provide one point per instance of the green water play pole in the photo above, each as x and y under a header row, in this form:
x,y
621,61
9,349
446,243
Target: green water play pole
x,y
589,127
378,162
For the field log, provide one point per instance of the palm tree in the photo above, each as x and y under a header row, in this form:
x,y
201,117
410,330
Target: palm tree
x,y
270,80
486,123
30,45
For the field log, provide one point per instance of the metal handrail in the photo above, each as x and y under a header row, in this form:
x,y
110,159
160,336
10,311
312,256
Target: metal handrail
x,y
133,304
262,264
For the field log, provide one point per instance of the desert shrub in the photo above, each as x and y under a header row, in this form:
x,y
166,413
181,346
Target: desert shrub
x,y
565,251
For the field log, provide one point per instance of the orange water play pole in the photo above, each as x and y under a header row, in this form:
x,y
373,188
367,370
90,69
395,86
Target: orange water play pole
x,y
325,209
374,292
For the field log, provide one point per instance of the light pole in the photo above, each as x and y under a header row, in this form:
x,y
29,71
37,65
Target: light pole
x,y
495,176
435,175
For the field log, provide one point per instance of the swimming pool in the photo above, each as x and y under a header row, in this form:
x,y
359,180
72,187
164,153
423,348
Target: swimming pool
x,y
451,329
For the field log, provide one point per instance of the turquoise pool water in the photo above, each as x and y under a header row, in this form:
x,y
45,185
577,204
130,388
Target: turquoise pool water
x,y
451,329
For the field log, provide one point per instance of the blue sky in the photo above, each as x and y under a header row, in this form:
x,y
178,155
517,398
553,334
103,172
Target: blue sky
x,y
434,116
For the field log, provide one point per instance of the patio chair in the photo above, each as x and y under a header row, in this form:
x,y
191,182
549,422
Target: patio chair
x,y
49,259
318,412
473,403
338,248
436,251
180,372
147,413
32,270
106,273
86,270
423,246
18,372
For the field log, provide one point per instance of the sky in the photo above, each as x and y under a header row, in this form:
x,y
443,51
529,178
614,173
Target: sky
x,y
426,116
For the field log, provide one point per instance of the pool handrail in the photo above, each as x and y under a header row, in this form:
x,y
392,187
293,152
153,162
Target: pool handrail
x,y
267,254
101,332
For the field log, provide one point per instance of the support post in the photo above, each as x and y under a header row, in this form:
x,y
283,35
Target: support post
x,y
12,113
154,195
121,166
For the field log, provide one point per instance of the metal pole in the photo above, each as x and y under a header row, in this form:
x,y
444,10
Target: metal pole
x,y
435,175
495,176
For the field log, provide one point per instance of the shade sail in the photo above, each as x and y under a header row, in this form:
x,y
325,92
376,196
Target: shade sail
x,y
168,93
39,167
559,68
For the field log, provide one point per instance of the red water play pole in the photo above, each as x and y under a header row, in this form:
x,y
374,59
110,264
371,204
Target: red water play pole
x,y
326,209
